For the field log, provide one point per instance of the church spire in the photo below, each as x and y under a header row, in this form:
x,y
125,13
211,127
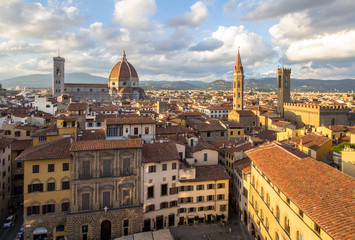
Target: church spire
x,y
238,64
123,58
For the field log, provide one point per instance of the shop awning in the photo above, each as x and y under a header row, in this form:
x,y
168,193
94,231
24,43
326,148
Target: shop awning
x,y
40,231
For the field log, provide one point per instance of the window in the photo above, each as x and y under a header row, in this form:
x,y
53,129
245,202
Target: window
x,y
17,134
65,185
36,187
65,206
146,130
317,228
200,209
173,177
112,131
173,203
200,187
288,200
205,157
209,133
277,212
222,134
135,131
86,173
89,124
300,212
33,210
164,189
174,190
59,228
223,208
287,225
125,227
173,166
262,193
149,208
210,197
106,168
50,167
220,197
106,199
220,185
299,235
192,209
181,210
261,215
200,199
150,192
18,165
231,133
152,168
65,166
35,168
267,199
85,201
42,139
164,167
267,223
50,208
210,186
51,186
164,205
277,237
210,208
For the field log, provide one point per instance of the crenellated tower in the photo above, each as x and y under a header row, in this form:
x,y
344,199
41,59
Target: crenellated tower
x,y
283,88
58,76
238,84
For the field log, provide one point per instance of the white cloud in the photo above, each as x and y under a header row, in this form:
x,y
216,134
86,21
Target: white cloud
x,y
194,18
134,13
337,46
19,19
272,9
208,44
229,6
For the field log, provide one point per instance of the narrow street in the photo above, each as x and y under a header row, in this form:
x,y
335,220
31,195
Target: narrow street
x,y
11,233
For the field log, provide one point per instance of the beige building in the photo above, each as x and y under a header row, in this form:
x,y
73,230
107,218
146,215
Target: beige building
x,y
290,200
105,189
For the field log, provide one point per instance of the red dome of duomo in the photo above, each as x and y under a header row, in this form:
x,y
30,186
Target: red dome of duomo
x,y
123,71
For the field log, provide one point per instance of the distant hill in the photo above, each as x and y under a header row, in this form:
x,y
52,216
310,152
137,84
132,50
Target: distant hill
x,y
263,84
45,80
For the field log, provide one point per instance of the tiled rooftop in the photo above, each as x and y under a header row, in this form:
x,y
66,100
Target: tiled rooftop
x,y
325,194
159,152
92,145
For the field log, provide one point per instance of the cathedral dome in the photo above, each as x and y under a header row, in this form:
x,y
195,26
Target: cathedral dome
x,y
123,71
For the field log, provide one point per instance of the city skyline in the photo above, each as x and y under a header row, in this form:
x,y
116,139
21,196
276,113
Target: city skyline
x,y
191,40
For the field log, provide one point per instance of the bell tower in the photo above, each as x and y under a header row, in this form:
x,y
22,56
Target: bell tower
x,y
58,76
238,84
283,88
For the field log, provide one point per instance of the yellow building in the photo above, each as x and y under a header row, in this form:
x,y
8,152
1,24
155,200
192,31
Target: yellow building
x,y
46,189
334,132
292,196
348,161
316,146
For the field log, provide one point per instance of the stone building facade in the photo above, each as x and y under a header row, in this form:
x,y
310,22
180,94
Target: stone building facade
x,y
238,84
105,189
283,88
316,115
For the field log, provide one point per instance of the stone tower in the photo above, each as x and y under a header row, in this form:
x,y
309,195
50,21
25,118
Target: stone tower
x,y
238,84
58,76
283,88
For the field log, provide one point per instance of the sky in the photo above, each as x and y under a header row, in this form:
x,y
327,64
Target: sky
x,y
180,40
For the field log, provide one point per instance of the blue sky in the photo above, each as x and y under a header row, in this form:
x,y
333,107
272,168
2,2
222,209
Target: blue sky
x,y
180,40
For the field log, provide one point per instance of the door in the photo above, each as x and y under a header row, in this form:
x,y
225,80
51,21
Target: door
x,y
106,230
160,222
171,220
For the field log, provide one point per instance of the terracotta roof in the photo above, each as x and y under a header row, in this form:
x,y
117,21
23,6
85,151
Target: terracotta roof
x,y
244,147
245,113
311,141
125,90
132,120
26,127
18,145
159,152
243,165
52,150
209,173
281,123
85,135
170,130
105,108
123,69
4,142
92,145
77,106
325,194
201,145
338,128
46,132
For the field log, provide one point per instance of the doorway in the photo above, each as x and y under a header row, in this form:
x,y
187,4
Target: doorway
x,y
106,230
171,220
160,222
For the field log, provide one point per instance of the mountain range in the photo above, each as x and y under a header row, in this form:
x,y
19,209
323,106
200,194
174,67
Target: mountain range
x,y
263,84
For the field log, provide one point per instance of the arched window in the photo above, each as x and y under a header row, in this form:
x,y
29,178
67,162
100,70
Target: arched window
x,y
279,80
285,80
287,225
268,199
261,215
299,235
256,207
277,237
262,192
277,212
253,180
267,223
